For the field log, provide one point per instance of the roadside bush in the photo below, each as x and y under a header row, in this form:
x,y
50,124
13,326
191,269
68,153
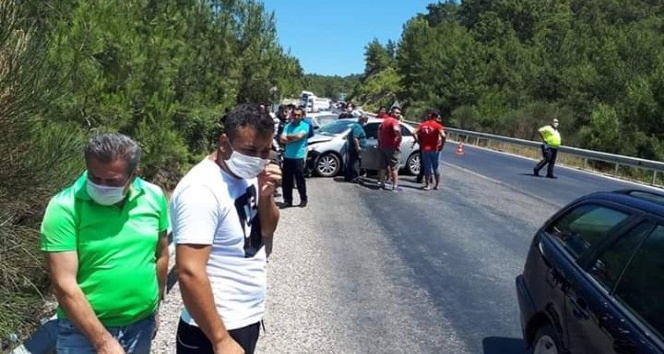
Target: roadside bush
x,y
37,158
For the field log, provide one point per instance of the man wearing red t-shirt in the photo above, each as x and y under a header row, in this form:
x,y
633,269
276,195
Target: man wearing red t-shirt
x,y
389,141
431,136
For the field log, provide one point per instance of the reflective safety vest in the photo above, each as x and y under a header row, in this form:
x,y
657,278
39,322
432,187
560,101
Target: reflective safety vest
x,y
551,136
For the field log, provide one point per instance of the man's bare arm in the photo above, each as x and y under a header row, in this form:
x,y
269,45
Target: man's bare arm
x,y
443,139
196,290
268,211
292,138
162,263
397,134
269,214
63,268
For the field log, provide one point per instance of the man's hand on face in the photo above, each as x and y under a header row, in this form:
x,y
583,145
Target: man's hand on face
x,y
269,180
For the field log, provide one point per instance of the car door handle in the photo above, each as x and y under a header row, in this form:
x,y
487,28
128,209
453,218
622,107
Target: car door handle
x,y
579,308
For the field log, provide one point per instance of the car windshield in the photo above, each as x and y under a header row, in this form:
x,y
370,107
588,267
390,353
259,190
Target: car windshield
x,y
323,120
334,128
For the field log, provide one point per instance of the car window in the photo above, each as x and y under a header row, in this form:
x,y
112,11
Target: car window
x,y
371,130
323,120
653,197
585,226
641,286
405,131
334,128
610,264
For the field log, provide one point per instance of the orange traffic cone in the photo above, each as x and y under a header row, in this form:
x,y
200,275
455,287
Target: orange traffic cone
x,y
459,150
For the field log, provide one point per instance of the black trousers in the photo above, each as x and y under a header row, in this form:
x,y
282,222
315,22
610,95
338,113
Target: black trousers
x,y
191,340
293,172
420,176
352,169
549,155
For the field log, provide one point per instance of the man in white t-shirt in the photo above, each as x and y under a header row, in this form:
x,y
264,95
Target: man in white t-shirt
x,y
223,216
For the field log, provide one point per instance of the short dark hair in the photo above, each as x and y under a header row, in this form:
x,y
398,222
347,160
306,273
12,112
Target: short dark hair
x,y
109,147
248,115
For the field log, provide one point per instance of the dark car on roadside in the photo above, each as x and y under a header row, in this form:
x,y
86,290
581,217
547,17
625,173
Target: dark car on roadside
x,y
593,281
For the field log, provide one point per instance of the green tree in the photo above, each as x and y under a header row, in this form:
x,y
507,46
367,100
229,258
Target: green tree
x,y
377,58
37,158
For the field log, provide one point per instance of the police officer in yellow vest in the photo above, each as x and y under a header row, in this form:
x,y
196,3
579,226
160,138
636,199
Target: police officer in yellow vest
x,y
551,142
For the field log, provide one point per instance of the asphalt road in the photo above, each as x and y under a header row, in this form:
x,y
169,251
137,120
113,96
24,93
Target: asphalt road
x,y
362,270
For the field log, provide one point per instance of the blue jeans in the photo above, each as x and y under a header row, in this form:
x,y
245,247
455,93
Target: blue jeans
x,y
431,162
135,338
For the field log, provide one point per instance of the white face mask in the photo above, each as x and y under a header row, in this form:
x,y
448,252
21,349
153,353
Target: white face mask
x,y
244,166
555,125
105,195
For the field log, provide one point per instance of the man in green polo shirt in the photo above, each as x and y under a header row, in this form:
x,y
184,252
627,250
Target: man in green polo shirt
x,y
106,247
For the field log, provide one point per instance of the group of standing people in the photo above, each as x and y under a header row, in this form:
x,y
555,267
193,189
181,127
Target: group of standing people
x,y
106,244
105,237
389,142
430,135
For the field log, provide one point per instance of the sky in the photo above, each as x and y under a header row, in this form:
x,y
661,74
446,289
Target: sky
x,y
328,37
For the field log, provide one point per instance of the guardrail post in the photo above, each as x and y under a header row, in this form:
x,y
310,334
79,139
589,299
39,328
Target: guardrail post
x,y
615,173
654,177
585,163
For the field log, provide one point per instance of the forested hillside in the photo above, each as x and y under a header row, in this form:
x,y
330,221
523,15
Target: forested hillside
x,y
161,71
508,66
330,86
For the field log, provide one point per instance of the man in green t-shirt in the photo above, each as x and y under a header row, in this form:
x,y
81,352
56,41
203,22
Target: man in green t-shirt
x,y
106,247
550,143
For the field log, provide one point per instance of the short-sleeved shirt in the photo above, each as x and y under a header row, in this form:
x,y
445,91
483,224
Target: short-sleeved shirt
x,y
387,133
297,149
116,247
551,136
357,131
211,207
312,131
429,135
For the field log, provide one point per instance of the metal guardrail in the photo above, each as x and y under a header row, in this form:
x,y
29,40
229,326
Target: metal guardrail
x,y
587,155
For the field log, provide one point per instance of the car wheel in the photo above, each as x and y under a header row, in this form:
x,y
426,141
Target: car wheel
x,y
413,164
328,165
546,341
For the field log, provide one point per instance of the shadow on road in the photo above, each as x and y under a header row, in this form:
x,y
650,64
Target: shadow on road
x,y
530,175
502,345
